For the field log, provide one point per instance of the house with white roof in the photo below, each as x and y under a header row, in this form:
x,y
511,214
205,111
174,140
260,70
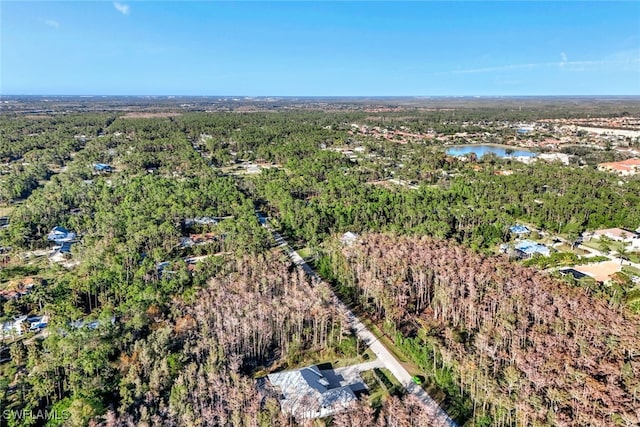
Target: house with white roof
x,y
348,238
60,234
12,328
309,393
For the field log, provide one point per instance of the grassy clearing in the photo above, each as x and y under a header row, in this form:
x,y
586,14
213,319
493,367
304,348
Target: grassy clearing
x,y
6,210
567,248
377,392
634,257
593,244
631,270
305,252
349,352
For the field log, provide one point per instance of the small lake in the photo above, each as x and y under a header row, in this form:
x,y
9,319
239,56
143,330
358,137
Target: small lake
x,y
482,149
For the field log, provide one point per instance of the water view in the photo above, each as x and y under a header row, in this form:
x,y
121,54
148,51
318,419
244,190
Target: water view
x,y
482,149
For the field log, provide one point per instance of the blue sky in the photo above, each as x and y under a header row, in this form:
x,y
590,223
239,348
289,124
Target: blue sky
x,y
320,48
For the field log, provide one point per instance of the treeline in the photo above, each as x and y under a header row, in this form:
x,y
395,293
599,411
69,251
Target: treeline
x,y
191,363
322,194
524,348
194,368
24,134
274,137
34,149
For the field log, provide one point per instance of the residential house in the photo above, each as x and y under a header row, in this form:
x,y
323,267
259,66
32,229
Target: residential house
x,y
348,238
37,323
202,220
630,238
527,248
102,168
575,273
60,234
519,229
197,240
308,393
13,328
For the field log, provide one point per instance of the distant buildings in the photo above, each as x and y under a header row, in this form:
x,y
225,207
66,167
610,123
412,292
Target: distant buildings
x,y
13,328
38,323
16,327
102,168
63,239
201,220
555,157
197,239
624,168
60,234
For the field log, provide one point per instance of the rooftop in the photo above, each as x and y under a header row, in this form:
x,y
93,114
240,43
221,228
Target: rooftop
x,y
348,238
614,233
575,273
308,393
519,229
60,234
528,247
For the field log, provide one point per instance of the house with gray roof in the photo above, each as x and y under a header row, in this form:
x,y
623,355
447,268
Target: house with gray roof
x,y
309,392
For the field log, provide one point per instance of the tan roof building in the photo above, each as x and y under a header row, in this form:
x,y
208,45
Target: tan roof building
x,y
614,233
624,168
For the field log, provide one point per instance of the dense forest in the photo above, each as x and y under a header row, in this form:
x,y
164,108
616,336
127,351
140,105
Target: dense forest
x,y
525,348
173,300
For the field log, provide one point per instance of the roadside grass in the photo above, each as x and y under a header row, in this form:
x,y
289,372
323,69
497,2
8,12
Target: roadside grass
x,y
377,392
567,248
384,339
634,257
630,269
335,357
592,244
305,252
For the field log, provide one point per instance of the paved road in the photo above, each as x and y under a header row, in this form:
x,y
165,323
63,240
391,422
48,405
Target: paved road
x,y
350,375
437,416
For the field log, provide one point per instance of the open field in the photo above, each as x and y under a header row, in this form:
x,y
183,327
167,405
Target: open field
x,y
601,271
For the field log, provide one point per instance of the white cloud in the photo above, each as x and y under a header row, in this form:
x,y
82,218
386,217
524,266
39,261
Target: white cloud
x,y
620,60
563,56
494,69
52,23
122,8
